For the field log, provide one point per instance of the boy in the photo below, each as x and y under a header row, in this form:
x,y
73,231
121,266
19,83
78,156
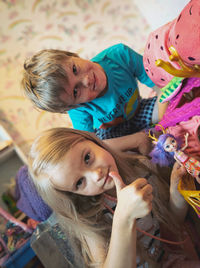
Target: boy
x,y
100,95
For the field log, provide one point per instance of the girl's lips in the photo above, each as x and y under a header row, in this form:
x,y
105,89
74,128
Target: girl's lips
x,y
107,177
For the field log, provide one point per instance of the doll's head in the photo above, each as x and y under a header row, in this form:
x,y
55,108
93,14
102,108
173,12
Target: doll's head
x,y
163,154
170,145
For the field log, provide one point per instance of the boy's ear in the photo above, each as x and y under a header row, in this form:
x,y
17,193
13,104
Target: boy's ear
x,y
154,142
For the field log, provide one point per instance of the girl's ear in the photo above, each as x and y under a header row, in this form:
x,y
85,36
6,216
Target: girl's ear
x,y
154,142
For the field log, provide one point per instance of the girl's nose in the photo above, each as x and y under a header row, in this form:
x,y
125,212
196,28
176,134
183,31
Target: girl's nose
x,y
97,174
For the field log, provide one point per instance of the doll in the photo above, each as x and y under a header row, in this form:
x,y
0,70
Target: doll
x,y
168,150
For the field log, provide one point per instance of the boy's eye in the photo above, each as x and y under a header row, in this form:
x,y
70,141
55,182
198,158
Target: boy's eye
x,y
87,158
173,141
74,69
75,92
167,147
79,183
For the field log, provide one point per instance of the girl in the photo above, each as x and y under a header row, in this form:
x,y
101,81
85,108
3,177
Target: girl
x,y
80,178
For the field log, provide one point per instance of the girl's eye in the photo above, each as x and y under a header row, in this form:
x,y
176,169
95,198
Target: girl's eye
x,y
167,147
75,92
79,183
74,69
173,141
87,158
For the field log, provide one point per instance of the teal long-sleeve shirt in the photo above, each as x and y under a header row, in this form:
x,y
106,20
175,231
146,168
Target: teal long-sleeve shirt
x,y
123,67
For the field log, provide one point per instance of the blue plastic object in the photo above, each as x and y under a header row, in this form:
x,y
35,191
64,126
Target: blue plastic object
x,y
21,257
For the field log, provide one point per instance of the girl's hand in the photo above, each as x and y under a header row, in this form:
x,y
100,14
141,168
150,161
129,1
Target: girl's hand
x,y
144,145
134,200
178,205
178,172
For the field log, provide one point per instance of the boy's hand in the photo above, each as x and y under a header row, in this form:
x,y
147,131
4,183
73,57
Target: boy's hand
x,y
144,143
134,142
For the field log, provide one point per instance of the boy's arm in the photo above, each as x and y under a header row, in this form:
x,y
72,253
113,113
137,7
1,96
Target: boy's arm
x,y
135,64
134,142
157,90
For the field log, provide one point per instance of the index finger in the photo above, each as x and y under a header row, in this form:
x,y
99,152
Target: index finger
x,y
117,180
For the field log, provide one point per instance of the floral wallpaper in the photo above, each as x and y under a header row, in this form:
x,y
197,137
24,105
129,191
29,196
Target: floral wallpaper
x,y
82,26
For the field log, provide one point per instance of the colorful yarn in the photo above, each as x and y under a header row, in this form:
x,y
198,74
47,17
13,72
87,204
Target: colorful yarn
x,y
171,89
180,108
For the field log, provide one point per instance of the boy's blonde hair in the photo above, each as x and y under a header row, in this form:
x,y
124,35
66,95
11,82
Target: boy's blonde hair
x,y
44,79
82,215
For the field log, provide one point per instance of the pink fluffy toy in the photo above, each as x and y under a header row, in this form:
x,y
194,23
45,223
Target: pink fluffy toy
x,y
183,33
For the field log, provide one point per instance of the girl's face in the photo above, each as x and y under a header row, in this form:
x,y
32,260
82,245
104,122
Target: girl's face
x,y
85,170
170,145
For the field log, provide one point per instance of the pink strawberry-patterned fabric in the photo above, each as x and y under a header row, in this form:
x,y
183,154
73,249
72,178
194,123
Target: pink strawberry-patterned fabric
x,y
183,33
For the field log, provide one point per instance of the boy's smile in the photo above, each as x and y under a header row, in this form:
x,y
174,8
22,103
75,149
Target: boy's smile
x,y
86,81
85,170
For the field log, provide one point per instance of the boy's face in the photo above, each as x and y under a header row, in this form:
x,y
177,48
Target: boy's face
x,y
87,81
85,170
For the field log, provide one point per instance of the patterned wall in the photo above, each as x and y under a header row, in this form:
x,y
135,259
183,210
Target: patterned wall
x,y
82,26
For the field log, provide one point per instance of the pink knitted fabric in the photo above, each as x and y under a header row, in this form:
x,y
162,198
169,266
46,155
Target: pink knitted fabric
x,y
183,33
174,114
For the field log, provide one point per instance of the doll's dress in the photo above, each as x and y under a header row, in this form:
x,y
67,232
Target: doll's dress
x,y
190,163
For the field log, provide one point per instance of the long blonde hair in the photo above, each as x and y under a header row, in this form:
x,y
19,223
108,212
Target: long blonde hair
x,y
83,215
